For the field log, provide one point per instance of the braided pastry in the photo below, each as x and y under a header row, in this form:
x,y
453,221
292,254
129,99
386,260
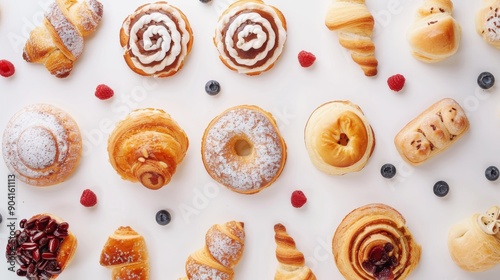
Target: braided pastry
x,y
59,41
354,23
156,39
488,22
292,264
147,146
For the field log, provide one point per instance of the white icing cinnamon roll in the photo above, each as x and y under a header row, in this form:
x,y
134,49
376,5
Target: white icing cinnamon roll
x,y
156,39
250,36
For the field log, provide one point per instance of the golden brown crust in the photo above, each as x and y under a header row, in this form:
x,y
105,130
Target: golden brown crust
x,y
432,132
488,22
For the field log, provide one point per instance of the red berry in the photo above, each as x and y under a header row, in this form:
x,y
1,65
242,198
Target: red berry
x,y
298,199
7,69
306,59
396,82
103,92
88,198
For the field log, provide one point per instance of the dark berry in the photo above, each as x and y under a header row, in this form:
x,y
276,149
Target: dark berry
x,y
1,218
388,247
492,173
212,87
441,188
388,170
205,1
163,217
485,80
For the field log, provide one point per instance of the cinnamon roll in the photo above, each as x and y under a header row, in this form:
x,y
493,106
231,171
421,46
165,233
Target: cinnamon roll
x,y
250,36
156,39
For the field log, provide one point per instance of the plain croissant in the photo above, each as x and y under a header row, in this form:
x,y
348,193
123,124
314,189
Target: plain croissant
x,y
354,23
59,41
291,261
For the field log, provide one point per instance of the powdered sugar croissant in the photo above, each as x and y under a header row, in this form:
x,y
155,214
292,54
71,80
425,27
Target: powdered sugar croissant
x,y
59,41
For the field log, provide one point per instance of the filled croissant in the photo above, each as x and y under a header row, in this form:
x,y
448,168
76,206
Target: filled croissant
x,y
59,41
147,146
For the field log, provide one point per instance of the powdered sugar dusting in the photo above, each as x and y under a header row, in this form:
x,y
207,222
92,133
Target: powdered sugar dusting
x,y
198,271
90,14
223,248
66,31
37,148
229,169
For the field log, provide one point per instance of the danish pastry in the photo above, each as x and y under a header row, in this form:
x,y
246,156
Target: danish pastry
x,y
488,22
474,243
224,245
250,36
43,247
432,132
147,146
42,145
434,34
59,41
156,39
292,264
373,241
243,150
126,253
339,138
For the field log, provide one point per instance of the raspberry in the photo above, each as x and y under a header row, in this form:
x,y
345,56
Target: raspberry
x,y
306,59
298,199
396,82
103,92
7,69
88,198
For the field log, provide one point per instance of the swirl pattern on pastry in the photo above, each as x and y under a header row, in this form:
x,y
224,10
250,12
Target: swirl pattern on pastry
x,y
42,145
243,150
339,138
250,36
373,240
488,22
156,39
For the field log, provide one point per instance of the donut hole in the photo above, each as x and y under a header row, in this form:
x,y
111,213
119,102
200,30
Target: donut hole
x,y
243,148
343,140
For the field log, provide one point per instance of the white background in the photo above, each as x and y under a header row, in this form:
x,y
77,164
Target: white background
x,y
291,93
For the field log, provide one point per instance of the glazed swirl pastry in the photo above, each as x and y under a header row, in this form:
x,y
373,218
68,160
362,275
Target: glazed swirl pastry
x,y
488,22
474,242
42,145
59,41
373,242
432,132
156,39
339,138
250,36
243,150
147,146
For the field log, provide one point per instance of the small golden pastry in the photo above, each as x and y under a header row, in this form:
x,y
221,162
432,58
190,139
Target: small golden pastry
x,y
432,132
474,243
243,150
435,34
126,254
224,245
250,36
156,39
43,247
42,145
354,23
339,138
292,264
147,146
59,41
373,241
488,22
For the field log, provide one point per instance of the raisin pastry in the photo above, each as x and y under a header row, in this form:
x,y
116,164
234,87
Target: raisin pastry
x,y
488,22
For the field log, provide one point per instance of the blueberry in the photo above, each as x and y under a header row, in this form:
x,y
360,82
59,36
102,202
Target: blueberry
x,y
205,1
388,170
492,173
485,80
441,188
163,217
212,87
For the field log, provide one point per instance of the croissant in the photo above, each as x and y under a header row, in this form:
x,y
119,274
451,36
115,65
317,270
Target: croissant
x,y
224,245
354,23
488,22
59,41
125,252
434,35
474,243
147,146
291,261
